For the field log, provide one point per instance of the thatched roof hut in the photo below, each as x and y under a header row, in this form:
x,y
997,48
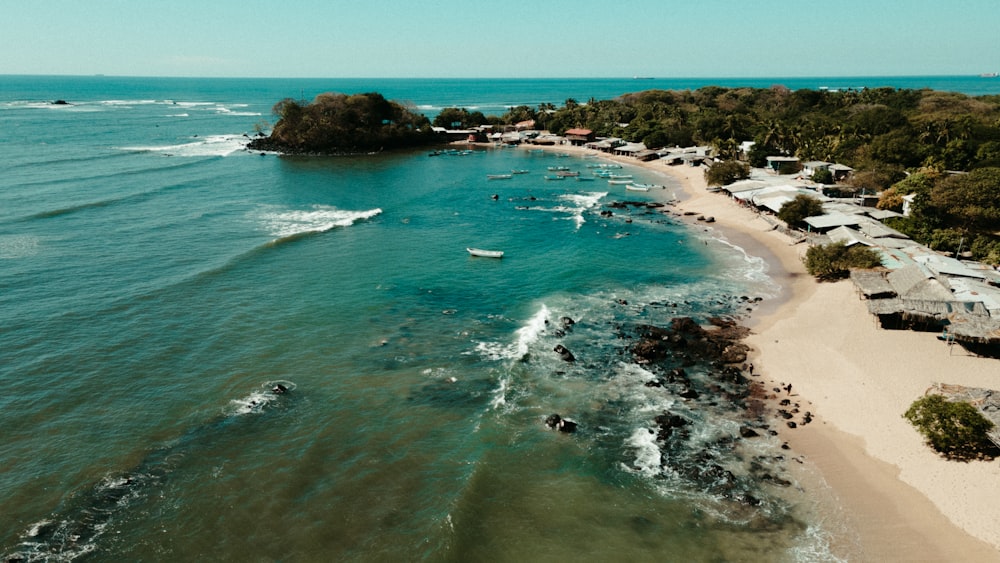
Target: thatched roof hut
x,y
914,281
926,315
872,284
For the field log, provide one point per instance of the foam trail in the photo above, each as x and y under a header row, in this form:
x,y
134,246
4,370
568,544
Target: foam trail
x,y
76,531
530,332
288,223
583,202
212,145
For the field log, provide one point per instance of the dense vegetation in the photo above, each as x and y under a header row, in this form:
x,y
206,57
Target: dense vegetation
x,y
337,123
913,141
953,428
835,261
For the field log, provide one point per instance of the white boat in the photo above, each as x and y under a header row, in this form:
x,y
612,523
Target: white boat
x,y
620,182
499,176
636,188
649,186
620,176
485,253
555,177
519,171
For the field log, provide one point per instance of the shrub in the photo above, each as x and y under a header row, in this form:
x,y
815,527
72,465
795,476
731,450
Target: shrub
x,y
795,211
725,173
835,261
823,176
955,429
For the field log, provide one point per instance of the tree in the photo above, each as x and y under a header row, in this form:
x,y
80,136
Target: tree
x,y
727,172
823,176
970,201
795,212
835,261
955,429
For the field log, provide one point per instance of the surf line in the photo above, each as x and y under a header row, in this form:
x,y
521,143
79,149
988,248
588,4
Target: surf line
x,y
75,531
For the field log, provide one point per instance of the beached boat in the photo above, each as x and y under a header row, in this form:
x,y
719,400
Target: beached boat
x,y
485,253
499,176
636,188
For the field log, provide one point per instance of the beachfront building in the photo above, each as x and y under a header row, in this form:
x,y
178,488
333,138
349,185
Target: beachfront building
x,y
629,149
579,137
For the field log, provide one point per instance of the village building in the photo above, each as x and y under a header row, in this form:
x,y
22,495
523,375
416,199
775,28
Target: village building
x,y
579,137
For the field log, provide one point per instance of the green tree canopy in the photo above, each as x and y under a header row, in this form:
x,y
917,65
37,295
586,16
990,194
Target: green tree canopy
x,y
336,123
835,261
727,172
970,201
795,211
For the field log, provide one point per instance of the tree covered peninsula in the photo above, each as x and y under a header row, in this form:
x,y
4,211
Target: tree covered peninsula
x,y
343,124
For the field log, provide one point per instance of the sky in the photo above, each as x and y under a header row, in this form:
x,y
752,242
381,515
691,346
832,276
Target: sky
x,y
499,39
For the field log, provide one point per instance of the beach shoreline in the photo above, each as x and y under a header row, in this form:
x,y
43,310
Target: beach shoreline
x,y
902,500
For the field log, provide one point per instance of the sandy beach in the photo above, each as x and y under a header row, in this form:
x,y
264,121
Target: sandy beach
x,y
904,502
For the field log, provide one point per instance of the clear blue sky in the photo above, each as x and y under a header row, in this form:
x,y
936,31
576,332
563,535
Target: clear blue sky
x,y
507,38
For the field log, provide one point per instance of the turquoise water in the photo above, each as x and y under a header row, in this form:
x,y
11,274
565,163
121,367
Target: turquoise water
x,y
156,281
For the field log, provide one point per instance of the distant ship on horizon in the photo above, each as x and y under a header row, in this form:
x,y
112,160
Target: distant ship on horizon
x,y
989,75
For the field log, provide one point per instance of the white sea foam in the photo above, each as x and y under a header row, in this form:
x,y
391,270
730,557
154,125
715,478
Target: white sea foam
x,y
582,203
647,453
212,145
225,110
285,223
529,333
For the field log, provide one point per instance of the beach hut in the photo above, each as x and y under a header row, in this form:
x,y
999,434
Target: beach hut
x,y
872,284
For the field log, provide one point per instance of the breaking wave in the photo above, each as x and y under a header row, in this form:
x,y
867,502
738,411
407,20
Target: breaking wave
x,y
213,145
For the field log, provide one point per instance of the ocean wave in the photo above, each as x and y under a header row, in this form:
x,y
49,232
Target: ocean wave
x,y
575,206
287,224
212,145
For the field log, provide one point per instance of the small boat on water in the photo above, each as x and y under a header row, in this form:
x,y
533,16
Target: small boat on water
x,y
558,168
584,179
619,182
567,173
636,188
547,177
620,176
485,253
648,186
519,171
499,176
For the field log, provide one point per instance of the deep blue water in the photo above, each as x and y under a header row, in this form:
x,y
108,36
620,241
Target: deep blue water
x,y
156,281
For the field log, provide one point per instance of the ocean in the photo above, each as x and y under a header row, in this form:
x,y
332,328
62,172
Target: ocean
x,y
157,281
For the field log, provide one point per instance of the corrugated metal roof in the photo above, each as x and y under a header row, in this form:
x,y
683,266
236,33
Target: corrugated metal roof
x,y
849,237
831,220
948,266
